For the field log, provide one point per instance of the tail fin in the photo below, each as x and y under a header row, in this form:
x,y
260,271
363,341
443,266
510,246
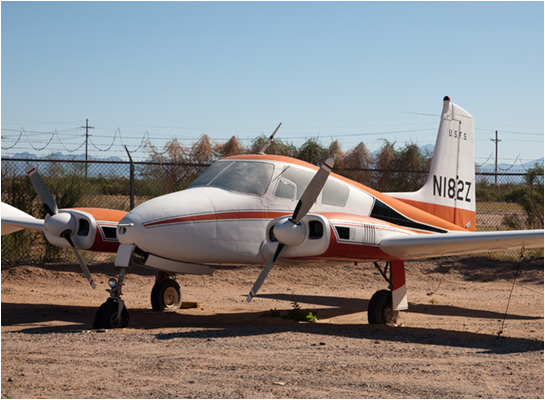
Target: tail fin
x,y
449,191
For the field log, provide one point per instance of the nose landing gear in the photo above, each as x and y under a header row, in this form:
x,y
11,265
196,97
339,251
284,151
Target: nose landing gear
x,y
113,314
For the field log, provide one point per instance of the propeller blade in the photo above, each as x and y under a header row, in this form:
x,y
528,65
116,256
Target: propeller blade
x,y
264,273
66,235
305,203
269,141
43,192
312,191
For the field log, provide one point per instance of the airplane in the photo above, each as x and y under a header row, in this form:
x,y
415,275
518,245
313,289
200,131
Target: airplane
x,y
260,209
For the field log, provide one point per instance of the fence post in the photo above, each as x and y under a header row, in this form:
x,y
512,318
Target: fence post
x,y
131,179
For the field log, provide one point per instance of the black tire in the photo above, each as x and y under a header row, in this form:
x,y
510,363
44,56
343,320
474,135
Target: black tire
x,y
166,295
380,310
106,316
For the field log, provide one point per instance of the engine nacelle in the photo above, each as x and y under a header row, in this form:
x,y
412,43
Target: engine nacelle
x,y
82,225
314,243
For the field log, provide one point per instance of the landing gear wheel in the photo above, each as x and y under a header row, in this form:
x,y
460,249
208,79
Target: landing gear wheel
x,y
380,310
106,316
166,295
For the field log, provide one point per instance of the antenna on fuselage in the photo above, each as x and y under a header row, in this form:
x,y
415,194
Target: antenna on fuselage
x,y
268,143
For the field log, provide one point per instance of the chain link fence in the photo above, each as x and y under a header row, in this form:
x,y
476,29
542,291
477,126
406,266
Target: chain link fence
x,y
515,202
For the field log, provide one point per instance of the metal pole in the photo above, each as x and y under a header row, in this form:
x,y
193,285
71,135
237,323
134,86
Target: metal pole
x,y
131,179
87,127
86,144
496,162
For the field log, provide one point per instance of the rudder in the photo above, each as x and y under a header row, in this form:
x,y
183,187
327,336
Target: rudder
x,y
449,191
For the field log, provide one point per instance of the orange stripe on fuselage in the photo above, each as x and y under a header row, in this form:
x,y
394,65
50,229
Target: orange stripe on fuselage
x,y
458,216
104,214
407,210
232,215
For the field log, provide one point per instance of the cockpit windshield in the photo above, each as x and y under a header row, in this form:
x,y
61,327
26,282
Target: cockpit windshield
x,y
240,176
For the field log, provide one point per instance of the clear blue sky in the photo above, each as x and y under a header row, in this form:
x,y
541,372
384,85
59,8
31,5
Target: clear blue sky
x,y
352,71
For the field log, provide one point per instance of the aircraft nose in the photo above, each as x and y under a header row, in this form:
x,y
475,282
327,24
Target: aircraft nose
x,y
129,228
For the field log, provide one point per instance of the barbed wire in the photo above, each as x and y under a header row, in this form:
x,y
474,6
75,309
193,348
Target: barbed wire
x,y
55,133
107,149
15,144
32,145
146,140
507,169
66,148
527,169
142,142
480,165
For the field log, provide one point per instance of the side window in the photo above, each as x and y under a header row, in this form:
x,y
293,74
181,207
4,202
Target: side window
x,y
299,177
284,190
335,193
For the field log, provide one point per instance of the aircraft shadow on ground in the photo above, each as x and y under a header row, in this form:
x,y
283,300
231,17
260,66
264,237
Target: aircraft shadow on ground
x,y
78,318
357,305
486,269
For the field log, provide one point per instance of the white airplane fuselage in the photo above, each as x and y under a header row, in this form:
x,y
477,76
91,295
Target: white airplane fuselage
x,y
210,224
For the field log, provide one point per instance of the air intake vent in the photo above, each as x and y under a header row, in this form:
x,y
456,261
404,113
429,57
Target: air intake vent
x,y
343,232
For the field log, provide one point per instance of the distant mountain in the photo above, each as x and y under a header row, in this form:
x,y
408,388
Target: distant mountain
x,y
59,156
516,167
94,170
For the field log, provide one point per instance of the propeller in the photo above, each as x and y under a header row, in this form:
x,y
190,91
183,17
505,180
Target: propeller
x,y
289,231
59,224
43,192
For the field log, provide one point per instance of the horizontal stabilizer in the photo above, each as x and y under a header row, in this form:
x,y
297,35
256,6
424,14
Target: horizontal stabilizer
x,y
453,243
14,220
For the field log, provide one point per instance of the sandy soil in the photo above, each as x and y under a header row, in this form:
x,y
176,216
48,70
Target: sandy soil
x,y
446,346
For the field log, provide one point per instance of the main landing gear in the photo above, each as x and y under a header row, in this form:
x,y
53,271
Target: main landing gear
x,y
380,309
165,296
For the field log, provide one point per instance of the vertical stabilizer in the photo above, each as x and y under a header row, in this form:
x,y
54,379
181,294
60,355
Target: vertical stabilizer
x,y
449,191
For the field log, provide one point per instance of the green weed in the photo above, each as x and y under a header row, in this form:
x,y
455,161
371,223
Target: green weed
x,y
296,314
9,385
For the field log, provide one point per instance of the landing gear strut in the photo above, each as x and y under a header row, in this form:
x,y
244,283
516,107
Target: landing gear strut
x,y
113,314
166,293
380,309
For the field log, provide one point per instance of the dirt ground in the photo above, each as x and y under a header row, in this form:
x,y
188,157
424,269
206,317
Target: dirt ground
x,y
447,345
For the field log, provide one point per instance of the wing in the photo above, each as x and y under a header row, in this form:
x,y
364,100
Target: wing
x,y
453,243
14,220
